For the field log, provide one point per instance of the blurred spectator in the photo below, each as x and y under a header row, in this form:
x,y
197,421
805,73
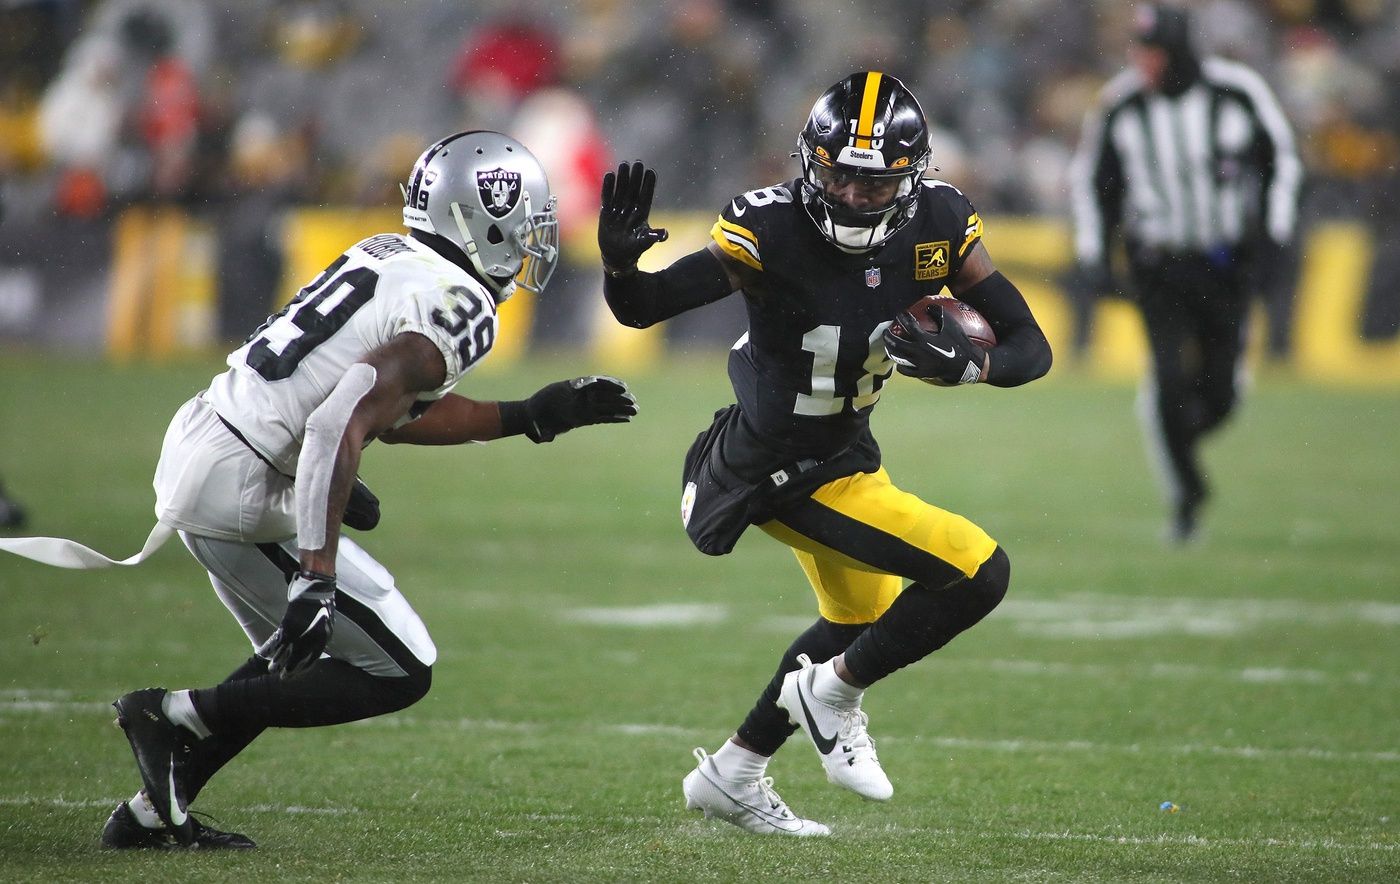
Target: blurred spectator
x,y
562,131
28,31
146,99
500,65
686,93
121,118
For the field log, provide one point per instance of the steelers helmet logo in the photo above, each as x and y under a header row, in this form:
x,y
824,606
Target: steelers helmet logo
x,y
499,190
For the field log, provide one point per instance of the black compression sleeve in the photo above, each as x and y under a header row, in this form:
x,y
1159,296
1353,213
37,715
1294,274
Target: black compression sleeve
x,y
1022,354
639,299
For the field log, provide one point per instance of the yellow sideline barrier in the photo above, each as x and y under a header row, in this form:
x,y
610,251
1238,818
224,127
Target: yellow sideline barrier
x,y
162,296
162,293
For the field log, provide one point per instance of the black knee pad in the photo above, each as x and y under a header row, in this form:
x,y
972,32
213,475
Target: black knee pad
x,y
411,688
988,586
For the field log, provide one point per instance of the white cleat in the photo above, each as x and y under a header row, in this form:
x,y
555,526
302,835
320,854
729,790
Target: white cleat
x,y
753,806
840,736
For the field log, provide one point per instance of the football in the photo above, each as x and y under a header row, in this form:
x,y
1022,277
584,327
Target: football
x,y
928,311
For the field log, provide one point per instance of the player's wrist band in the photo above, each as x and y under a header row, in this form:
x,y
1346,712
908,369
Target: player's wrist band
x,y
515,417
617,273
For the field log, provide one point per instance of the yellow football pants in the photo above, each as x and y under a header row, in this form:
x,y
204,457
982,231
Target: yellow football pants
x,y
857,536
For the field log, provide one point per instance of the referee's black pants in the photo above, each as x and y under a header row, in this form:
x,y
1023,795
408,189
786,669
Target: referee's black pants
x,y
1195,308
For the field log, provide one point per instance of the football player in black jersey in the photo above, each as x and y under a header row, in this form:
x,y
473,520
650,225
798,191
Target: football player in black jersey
x,y
825,263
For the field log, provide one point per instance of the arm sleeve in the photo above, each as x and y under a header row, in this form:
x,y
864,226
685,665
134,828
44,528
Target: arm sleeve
x,y
640,299
1022,353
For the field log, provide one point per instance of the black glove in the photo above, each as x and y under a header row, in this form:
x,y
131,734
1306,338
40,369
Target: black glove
x,y
945,357
623,230
305,628
362,509
563,405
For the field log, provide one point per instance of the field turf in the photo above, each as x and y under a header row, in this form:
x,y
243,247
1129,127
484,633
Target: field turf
x,y
1253,680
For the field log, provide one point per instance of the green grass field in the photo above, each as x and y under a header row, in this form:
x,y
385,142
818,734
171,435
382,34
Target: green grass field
x,y
1253,679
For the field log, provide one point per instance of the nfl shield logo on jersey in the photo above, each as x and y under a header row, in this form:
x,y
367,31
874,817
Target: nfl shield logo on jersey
x,y
872,276
499,191
687,503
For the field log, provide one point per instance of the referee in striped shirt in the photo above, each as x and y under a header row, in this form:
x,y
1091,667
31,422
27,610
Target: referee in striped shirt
x,y
1194,160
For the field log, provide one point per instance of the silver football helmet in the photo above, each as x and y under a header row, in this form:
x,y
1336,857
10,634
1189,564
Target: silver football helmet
x,y
487,195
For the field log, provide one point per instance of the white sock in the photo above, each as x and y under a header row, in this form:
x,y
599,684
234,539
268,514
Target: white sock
x,y
179,708
831,689
734,762
144,811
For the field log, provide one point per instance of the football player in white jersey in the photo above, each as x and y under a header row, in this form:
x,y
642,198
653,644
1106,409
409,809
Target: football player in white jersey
x,y
258,472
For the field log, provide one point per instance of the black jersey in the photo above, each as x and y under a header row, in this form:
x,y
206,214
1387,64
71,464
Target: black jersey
x,y
810,368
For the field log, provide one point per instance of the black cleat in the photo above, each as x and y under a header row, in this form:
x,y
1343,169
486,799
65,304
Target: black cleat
x,y
209,838
1186,523
124,832
161,748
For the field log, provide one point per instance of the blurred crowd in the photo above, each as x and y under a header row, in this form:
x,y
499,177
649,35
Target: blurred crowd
x,y
240,110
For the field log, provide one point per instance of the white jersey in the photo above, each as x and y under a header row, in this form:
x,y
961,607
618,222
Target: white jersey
x,y
381,287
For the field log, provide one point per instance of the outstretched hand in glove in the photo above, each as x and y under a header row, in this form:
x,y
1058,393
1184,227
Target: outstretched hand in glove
x,y
563,405
624,231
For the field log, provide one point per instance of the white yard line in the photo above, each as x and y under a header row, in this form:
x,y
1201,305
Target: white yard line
x,y
9,702
1166,672
1164,840
1077,616
59,801
653,729
650,616
1052,746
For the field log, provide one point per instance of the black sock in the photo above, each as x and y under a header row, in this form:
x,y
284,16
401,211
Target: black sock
x,y
328,692
922,620
251,700
767,726
219,748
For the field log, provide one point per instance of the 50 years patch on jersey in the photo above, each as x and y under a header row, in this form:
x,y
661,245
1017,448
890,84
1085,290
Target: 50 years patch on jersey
x,y
931,260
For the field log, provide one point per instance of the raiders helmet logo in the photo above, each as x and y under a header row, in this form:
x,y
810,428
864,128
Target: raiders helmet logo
x,y
499,191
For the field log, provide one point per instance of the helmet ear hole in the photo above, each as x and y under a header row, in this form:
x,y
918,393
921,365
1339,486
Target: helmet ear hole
x,y
494,235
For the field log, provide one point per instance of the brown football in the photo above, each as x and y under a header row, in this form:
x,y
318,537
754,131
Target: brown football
x,y
928,310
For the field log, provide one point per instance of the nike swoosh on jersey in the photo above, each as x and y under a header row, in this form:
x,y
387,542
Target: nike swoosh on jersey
x,y
824,743
738,209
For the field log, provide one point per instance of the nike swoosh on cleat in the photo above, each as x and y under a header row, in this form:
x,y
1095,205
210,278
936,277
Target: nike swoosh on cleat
x,y
824,743
177,813
766,815
950,352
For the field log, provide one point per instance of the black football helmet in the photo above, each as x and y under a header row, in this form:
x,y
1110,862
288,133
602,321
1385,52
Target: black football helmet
x,y
866,133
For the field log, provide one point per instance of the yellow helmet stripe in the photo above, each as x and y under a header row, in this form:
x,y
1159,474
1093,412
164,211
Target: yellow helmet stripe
x,y
865,124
